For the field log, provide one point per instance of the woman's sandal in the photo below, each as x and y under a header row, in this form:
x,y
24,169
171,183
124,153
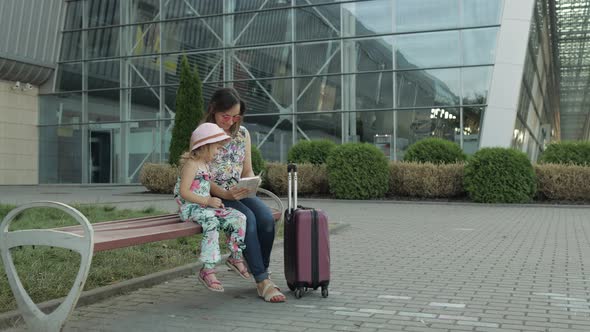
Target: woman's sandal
x,y
243,272
271,290
205,279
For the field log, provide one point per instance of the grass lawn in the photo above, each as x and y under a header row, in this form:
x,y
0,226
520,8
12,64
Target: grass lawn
x,y
48,273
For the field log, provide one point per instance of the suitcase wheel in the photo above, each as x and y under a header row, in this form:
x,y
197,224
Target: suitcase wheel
x,y
298,293
291,287
324,291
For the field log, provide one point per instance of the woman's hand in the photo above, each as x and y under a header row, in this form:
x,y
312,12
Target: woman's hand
x,y
236,194
214,202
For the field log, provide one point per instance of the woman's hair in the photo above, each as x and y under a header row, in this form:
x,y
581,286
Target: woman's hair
x,y
222,100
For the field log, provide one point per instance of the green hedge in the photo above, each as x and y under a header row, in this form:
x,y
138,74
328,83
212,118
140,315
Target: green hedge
x,y
500,175
434,150
315,151
258,163
357,171
577,153
426,180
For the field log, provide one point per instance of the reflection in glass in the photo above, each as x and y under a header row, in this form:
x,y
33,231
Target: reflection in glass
x,y
144,10
144,71
264,62
71,46
268,96
369,54
145,104
103,12
472,120
60,109
481,12
145,39
376,128
372,90
209,64
317,22
417,15
369,17
144,143
103,106
103,74
73,15
187,8
103,43
254,28
273,143
415,125
194,34
421,88
431,49
479,46
247,5
59,146
476,83
318,58
321,93
69,77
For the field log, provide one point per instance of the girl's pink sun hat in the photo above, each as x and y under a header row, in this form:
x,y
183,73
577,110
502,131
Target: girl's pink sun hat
x,y
207,133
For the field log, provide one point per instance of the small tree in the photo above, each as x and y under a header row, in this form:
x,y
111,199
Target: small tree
x,y
189,110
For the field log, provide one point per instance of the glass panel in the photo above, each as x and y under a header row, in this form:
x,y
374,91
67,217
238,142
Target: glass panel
x,y
420,88
376,128
247,5
144,143
369,54
476,83
103,74
431,49
74,15
417,15
144,71
103,106
170,100
144,104
318,58
103,12
472,120
61,109
317,22
103,43
71,47
193,34
145,10
415,125
369,17
481,12
268,96
263,27
372,90
186,8
69,77
264,62
321,93
320,126
60,153
145,39
209,65
479,46
519,135
274,144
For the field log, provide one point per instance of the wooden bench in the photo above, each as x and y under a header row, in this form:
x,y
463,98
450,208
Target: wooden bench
x,y
87,238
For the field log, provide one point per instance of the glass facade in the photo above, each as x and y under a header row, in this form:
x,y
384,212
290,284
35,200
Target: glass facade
x,y
536,119
387,72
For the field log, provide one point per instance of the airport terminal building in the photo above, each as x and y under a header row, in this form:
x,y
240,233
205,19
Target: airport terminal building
x,y
87,87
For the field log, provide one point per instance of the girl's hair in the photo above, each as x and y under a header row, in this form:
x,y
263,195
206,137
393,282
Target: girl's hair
x,y
222,100
196,154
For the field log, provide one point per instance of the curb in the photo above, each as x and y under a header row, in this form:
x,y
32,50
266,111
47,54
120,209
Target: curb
x,y
11,319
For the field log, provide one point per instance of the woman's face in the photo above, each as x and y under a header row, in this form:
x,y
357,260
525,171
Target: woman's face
x,y
226,119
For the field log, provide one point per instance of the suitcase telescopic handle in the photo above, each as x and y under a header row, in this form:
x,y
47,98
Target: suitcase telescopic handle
x,y
292,186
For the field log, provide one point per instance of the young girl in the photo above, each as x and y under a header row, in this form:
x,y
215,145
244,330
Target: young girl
x,y
195,204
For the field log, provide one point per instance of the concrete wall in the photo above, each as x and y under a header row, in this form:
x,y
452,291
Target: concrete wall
x,y
19,135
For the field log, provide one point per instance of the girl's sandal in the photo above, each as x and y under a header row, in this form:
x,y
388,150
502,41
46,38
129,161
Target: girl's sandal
x,y
205,278
269,292
243,272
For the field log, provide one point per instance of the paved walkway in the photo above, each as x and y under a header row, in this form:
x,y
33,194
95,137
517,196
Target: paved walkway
x,y
398,267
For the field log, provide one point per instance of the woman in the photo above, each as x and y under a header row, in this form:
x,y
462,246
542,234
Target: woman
x,y
233,161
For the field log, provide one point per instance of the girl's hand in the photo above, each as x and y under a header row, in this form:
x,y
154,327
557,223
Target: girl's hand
x,y
236,194
214,202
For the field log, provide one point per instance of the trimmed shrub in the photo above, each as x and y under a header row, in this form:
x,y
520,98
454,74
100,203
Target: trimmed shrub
x,y
357,171
189,110
577,153
426,180
434,150
258,163
315,151
563,182
311,179
158,178
500,175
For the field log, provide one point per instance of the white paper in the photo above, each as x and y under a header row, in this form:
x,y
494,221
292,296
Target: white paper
x,y
251,183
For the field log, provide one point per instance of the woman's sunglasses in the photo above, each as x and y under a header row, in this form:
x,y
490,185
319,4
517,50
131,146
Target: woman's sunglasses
x,y
226,117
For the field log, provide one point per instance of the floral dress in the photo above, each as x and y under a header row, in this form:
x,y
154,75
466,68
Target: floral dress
x,y
231,221
226,168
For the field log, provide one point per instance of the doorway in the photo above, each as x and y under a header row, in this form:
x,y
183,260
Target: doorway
x,y
100,156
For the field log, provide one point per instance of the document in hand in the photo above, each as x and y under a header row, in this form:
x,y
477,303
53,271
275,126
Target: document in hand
x,y
251,183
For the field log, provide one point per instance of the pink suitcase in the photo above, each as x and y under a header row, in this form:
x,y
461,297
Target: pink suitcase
x,y
307,244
